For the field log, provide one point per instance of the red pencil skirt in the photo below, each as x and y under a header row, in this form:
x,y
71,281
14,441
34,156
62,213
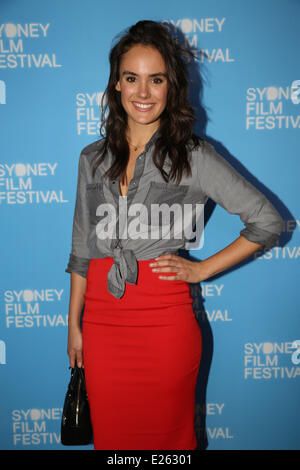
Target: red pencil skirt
x,y
141,358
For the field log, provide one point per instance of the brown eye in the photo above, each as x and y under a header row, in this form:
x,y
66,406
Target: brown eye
x,y
157,81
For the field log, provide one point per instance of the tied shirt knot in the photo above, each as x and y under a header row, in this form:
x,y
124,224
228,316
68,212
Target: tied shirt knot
x,y
124,269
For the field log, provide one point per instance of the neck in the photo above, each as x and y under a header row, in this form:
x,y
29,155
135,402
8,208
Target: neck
x,y
140,135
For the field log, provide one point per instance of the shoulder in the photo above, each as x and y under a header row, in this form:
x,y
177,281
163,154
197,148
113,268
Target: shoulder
x,y
204,153
199,146
209,164
90,154
195,143
202,150
94,148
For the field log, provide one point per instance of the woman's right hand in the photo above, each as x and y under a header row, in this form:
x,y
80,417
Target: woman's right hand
x,y
75,346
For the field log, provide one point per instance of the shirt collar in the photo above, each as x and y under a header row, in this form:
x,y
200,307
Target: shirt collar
x,y
152,140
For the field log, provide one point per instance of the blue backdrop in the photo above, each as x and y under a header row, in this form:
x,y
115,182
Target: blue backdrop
x,y
53,70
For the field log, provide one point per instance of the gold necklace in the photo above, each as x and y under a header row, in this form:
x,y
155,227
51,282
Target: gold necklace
x,y
135,147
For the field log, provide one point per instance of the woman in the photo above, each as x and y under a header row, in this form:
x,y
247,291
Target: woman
x,y
140,341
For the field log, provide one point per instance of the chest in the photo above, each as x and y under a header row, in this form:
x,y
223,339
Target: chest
x,y
129,174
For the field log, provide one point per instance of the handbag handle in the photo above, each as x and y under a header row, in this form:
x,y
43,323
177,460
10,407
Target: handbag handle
x,y
75,371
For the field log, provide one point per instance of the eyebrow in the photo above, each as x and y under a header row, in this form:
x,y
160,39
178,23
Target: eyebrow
x,y
159,74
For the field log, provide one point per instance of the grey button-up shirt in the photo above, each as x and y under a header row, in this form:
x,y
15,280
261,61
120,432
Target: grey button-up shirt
x,y
212,177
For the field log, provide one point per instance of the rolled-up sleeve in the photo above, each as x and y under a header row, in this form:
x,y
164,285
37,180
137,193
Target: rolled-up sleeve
x,y
79,257
228,188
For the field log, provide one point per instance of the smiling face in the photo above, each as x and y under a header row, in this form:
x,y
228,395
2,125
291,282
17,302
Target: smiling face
x,y
143,86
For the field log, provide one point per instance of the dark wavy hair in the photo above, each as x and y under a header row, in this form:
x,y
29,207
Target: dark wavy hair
x,y
175,132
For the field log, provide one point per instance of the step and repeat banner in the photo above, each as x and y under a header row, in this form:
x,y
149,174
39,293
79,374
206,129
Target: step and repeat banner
x,y
246,90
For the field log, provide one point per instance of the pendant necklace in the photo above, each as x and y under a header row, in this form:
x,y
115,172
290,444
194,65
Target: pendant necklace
x,y
135,147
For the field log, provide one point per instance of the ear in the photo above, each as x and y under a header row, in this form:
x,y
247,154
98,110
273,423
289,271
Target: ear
x,y
117,86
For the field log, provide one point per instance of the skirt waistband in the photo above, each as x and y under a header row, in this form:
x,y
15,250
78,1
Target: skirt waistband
x,y
140,301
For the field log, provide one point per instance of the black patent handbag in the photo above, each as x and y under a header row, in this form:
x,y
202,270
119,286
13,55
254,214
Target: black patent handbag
x,y
76,427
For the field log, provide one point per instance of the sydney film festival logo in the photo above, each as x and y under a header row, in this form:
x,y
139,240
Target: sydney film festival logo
x,y
89,108
17,183
17,43
273,107
272,360
33,308
36,427
191,32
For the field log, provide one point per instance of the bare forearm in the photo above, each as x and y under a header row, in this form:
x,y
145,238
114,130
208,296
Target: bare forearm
x,y
238,250
77,291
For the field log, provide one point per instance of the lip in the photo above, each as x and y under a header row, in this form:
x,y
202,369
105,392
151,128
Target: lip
x,y
141,109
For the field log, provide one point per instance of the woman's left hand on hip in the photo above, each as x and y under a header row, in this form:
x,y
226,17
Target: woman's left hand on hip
x,y
181,268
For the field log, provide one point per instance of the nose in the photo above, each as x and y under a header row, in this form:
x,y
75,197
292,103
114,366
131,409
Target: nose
x,y
143,89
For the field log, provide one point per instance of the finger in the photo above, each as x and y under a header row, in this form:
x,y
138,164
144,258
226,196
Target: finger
x,y
172,260
170,278
166,269
172,264
168,256
79,360
72,359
